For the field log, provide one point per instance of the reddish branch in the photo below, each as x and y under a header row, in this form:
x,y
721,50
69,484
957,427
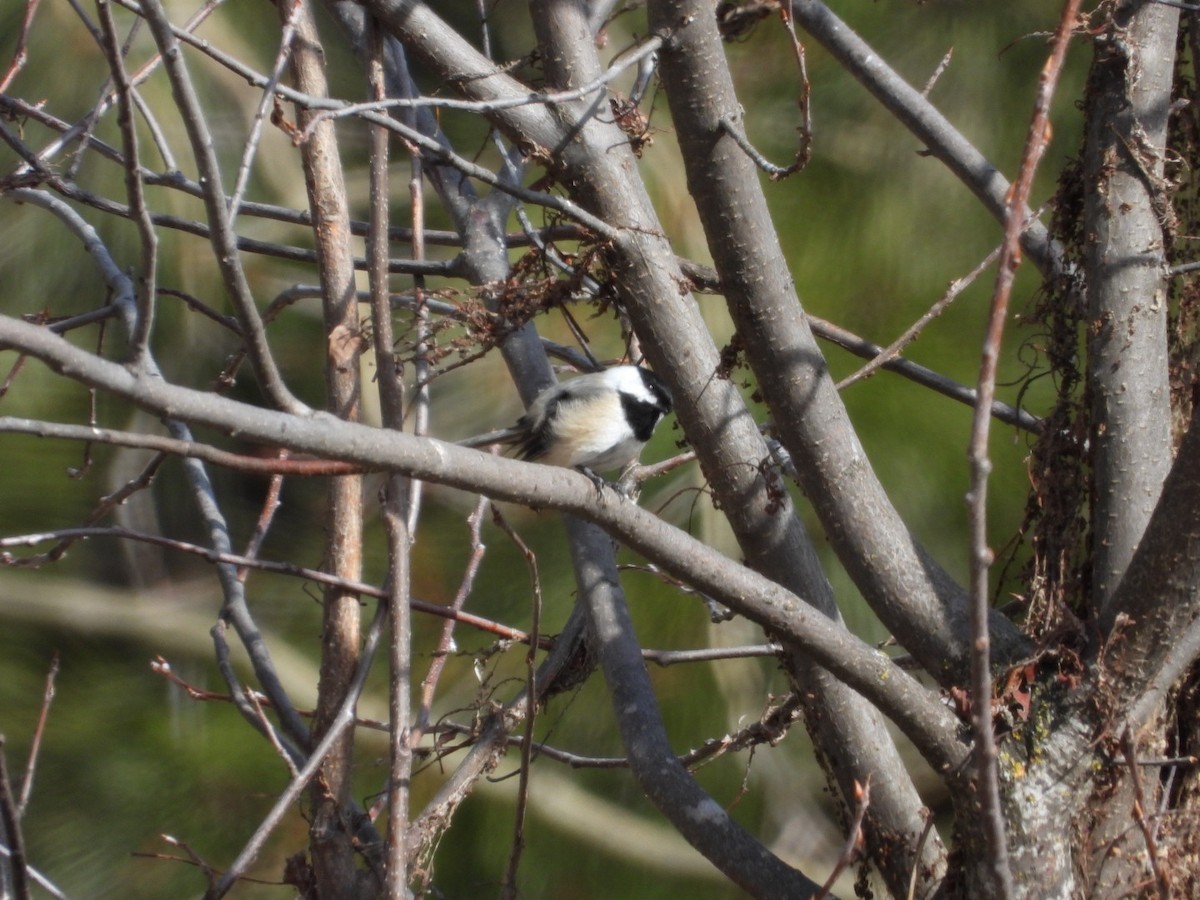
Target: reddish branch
x,y
988,781
854,842
20,56
1162,878
234,559
36,743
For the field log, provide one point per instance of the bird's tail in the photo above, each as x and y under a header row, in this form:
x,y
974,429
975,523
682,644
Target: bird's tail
x,y
503,436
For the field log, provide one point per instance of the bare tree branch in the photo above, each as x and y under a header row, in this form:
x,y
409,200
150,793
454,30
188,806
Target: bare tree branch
x,y
931,726
1127,293
987,767
698,817
922,118
397,499
215,202
11,835
331,838
134,186
1160,593
341,722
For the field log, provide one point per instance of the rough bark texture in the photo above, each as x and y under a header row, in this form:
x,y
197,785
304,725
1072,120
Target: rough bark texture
x,y
1126,209
853,741
332,823
792,373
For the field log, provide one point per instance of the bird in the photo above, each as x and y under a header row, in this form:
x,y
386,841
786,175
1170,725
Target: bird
x,y
595,422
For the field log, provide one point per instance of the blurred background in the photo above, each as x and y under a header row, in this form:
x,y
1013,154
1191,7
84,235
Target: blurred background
x,y
875,232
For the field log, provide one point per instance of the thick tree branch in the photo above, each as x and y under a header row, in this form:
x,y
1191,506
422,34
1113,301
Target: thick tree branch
x,y
758,289
916,599
672,789
331,839
1129,96
600,169
1158,600
927,722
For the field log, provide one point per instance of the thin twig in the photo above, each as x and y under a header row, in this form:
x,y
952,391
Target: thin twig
x,y
39,730
397,502
37,877
666,658
804,151
446,641
279,465
260,114
210,874
237,693
193,859
269,730
509,889
160,666
342,720
896,347
937,73
854,840
1169,761
135,189
419,408
11,823
985,757
266,516
804,103
705,279
738,135
101,510
20,56
716,611
234,559
157,134
1162,878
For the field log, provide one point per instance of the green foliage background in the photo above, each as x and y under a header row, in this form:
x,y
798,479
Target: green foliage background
x,y
875,231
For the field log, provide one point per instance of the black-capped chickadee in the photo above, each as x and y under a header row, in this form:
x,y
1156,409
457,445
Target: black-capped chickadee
x,y
594,422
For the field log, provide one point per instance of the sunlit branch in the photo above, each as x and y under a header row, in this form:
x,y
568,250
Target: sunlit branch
x,y
930,725
629,59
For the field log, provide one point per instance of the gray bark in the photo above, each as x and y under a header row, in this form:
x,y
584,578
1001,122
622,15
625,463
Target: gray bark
x,y
1125,265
